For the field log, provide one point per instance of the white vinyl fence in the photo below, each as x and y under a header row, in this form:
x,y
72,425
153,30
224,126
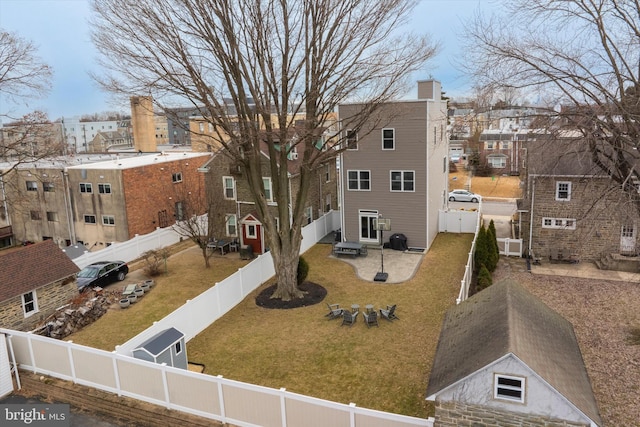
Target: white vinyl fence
x,y
510,247
197,314
212,397
458,221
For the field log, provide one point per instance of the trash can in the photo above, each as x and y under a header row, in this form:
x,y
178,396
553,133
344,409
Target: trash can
x,y
338,237
246,252
398,242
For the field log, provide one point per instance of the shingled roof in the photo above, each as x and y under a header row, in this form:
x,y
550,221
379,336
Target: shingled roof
x,y
503,319
32,267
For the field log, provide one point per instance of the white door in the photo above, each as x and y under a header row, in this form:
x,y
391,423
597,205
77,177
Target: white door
x,y
628,239
368,234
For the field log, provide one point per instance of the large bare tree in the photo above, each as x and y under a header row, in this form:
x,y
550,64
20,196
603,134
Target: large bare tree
x,y
250,67
583,58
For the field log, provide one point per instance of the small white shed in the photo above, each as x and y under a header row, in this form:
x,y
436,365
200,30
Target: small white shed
x,y
167,347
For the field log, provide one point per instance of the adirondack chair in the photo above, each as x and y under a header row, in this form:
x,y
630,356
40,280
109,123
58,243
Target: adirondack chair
x,y
371,318
389,313
334,311
349,318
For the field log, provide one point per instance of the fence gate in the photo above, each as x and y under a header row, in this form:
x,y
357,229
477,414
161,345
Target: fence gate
x,y
6,382
510,247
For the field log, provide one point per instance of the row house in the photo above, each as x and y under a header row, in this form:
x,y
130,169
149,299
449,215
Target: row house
x,y
395,166
98,203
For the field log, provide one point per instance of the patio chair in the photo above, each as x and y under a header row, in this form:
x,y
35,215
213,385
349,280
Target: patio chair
x,y
234,246
389,313
349,318
334,311
370,319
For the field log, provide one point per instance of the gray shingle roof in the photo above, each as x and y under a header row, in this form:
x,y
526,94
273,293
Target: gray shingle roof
x,y
160,341
31,267
503,319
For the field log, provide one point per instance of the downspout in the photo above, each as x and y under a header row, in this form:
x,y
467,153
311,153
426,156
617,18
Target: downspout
x,y
4,201
533,195
67,206
341,189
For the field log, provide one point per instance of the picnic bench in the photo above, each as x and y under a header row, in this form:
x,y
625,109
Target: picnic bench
x,y
349,248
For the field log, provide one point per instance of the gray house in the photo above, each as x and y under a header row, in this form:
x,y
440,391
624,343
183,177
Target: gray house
x,y
505,358
396,166
167,347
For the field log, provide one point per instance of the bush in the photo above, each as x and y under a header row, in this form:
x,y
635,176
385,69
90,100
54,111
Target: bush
x,y
484,278
481,255
154,259
303,270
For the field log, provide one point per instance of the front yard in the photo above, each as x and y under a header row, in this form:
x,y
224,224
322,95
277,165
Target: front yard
x,y
384,368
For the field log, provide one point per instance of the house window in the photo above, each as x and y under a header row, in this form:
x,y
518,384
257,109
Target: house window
x,y
52,216
509,388
104,188
231,222
402,180
89,219
35,215
266,182
32,186
490,145
327,203
179,211
201,127
327,173
251,231
176,177
359,180
352,139
108,220
85,187
48,187
229,187
308,214
563,191
388,139
178,347
29,303
559,223
497,161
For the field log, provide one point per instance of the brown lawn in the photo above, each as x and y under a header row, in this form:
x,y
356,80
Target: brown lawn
x,y
497,186
384,368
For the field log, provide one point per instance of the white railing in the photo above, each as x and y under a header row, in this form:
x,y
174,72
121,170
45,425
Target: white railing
x,y
212,397
197,314
510,247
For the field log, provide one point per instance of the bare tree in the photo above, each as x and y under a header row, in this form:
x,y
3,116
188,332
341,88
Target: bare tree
x,y
251,67
22,74
583,57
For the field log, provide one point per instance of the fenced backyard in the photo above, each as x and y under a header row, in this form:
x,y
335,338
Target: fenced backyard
x,y
324,352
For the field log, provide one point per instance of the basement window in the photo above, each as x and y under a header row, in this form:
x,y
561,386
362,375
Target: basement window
x,y
510,388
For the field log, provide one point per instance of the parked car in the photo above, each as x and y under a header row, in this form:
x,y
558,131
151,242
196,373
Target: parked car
x,y
101,274
464,196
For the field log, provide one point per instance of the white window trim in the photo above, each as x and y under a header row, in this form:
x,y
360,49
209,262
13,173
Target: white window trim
x,y
90,215
402,181
560,199
107,223
359,180
496,388
250,235
235,222
105,186
225,188
501,157
346,139
559,223
266,182
32,185
176,177
87,186
175,347
393,139
35,304
308,214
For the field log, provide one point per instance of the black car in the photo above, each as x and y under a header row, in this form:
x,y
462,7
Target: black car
x,y
101,274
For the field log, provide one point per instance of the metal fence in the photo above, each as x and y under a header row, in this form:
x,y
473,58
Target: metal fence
x,y
208,396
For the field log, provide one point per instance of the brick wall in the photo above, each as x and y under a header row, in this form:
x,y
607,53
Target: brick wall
x,y
452,414
49,298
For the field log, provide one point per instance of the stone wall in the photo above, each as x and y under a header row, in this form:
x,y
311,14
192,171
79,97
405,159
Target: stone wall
x,y
452,414
49,298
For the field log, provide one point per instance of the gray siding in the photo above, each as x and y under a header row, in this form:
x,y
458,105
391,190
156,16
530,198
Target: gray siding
x,y
414,214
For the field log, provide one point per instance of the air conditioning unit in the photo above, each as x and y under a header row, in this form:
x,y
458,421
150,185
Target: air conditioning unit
x,y
293,155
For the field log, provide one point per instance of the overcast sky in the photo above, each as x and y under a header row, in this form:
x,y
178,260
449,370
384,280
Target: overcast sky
x,y
60,31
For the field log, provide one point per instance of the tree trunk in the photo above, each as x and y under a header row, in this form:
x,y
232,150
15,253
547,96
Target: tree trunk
x,y
287,277
205,255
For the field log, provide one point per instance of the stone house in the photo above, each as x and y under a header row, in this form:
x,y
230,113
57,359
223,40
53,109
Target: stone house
x,y
232,213
504,358
35,280
396,166
571,210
